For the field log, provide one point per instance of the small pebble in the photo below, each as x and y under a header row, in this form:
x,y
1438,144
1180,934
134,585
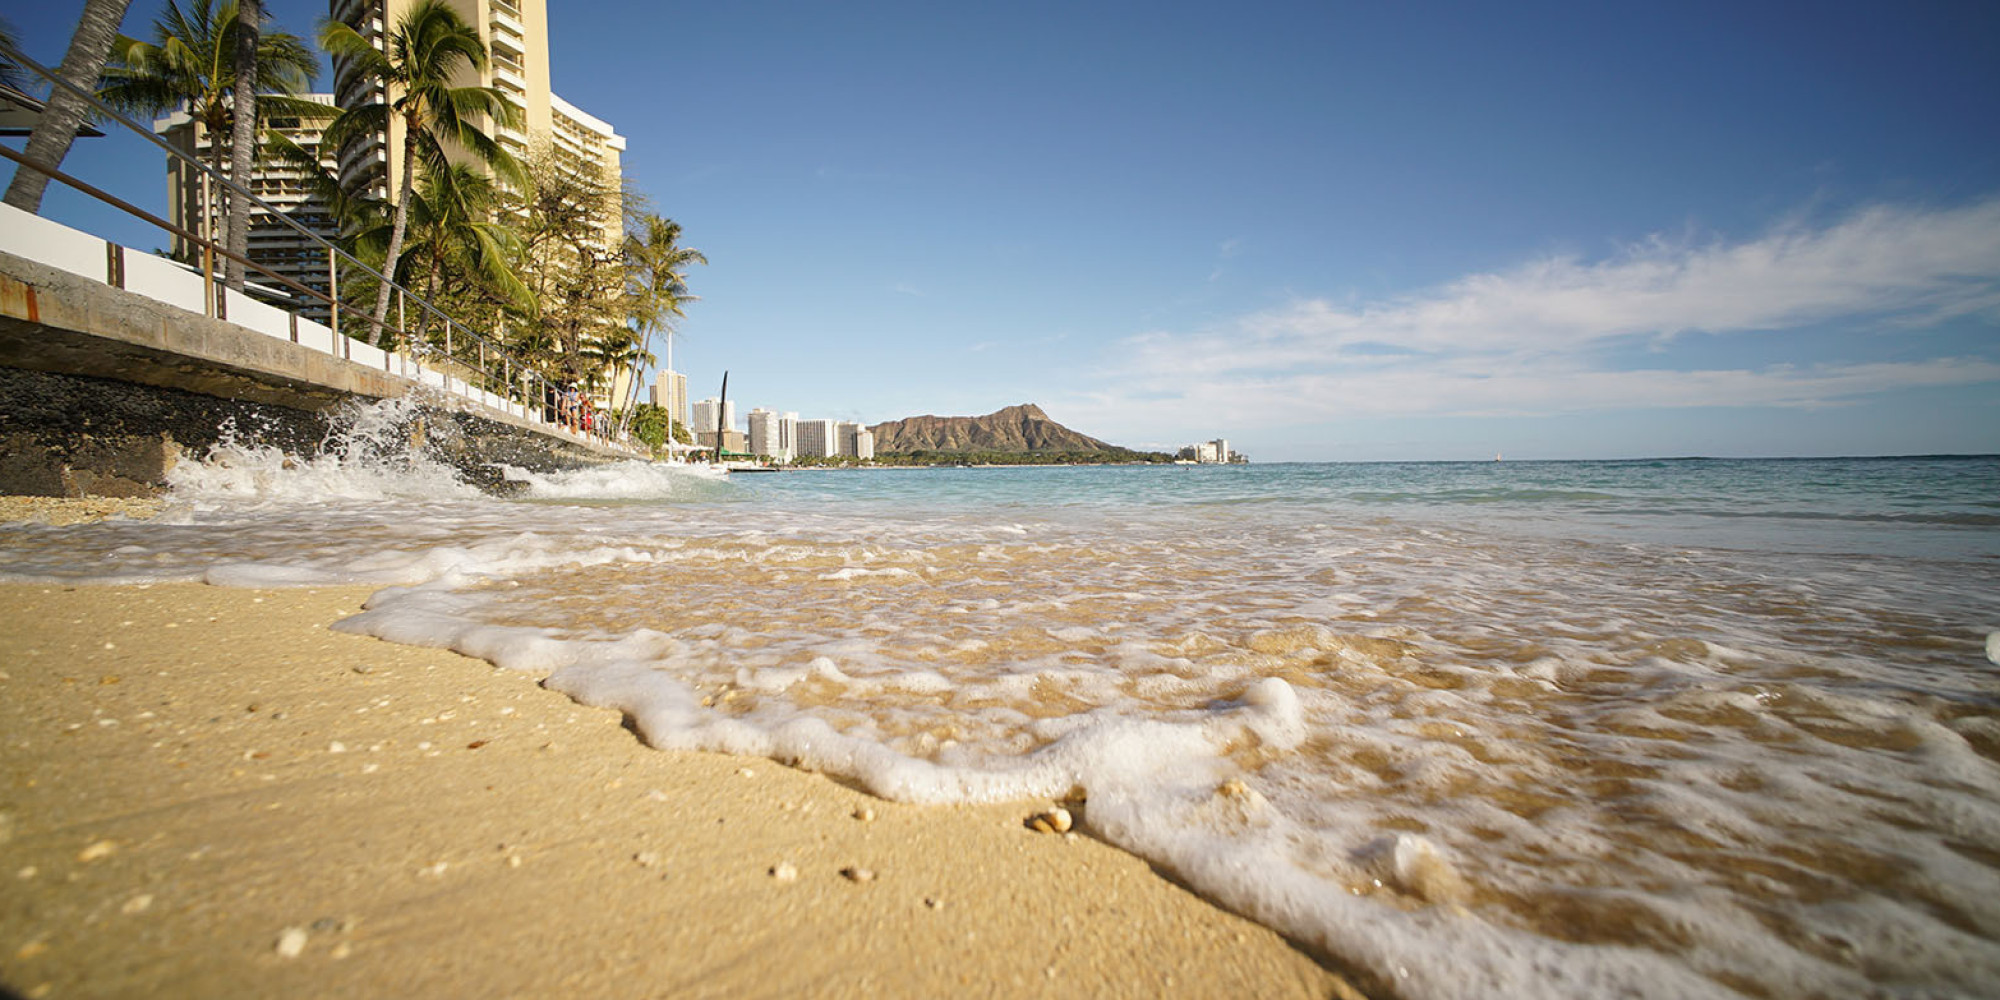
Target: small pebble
x,y
342,950
934,902
101,849
858,874
137,904
292,942
1056,820
647,859
784,871
336,747
865,814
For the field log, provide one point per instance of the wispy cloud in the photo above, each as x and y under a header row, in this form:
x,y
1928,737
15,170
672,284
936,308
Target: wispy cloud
x,y
905,288
1224,251
987,345
1533,339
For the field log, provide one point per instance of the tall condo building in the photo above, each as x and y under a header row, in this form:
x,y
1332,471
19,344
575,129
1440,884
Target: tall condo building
x,y
856,441
516,35
767,436
283,185
788,434
819,438
703,421
670,393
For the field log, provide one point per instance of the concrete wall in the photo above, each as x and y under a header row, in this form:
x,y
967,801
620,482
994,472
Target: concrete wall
x,y
59,317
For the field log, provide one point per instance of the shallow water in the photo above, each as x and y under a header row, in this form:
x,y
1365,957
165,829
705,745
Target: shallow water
x,y
1672,728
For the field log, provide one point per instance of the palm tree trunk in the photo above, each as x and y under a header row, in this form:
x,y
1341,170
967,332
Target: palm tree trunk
x,y
632,388
396,231
243,135
89,47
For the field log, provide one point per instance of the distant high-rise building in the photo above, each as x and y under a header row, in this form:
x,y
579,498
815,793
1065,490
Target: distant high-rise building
x,y
703,421
282,184
819,438
670,393
788,434
853,439
765,436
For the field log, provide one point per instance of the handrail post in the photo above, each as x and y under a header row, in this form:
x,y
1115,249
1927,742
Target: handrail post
x,y
333,291
207,250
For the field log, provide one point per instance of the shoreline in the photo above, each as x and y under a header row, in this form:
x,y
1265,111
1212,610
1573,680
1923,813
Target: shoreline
x,y
208,792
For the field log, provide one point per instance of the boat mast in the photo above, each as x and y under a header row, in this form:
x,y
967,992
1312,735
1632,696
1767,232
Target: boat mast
x,y
721,409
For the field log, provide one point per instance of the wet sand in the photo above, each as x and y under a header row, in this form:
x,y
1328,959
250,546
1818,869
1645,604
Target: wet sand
x,y
204,792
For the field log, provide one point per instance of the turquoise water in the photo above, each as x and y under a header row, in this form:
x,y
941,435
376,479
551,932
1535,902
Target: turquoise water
x,y
1523,729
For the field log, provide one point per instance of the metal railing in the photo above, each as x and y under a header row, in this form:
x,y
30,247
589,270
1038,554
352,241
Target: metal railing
x,y
516,380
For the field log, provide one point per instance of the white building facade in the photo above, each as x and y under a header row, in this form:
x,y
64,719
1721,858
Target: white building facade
x,y
670,393
704,418
767,435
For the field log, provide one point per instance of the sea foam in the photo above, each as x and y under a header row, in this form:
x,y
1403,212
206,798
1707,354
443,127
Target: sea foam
x,y
1376,709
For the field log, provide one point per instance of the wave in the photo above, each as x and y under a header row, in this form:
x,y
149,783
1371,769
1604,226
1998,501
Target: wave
x,y
624,481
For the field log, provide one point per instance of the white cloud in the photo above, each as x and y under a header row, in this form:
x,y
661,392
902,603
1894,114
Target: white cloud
x,y
1529,340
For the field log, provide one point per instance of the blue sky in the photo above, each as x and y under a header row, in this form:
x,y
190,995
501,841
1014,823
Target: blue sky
x,y
1325,231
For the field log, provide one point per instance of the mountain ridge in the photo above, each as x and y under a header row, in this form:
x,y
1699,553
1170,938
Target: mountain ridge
x,y
1024,428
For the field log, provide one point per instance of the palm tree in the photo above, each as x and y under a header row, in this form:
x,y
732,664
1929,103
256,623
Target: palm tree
x,y
10,72
656,287
89,46
192,64
424,51
243,135
453,241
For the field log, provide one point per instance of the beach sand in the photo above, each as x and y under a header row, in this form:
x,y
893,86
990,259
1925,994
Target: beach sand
x,y
205,792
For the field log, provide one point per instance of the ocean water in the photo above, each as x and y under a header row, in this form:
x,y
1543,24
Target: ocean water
x,y
1685,728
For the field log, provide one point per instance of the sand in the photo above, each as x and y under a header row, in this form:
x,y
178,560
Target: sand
x,y
205,792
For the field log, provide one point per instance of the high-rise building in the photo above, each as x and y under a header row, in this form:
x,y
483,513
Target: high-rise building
x,y
763,432
670,393
284,185
858,442
703,420
516,36
819,438
788,434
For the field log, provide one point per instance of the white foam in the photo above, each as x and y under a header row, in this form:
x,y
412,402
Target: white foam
x,y
1414,751
627,480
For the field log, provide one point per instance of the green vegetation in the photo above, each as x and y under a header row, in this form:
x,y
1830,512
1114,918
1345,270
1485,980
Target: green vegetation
x,y
568,271
195,64
650,423
424,52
